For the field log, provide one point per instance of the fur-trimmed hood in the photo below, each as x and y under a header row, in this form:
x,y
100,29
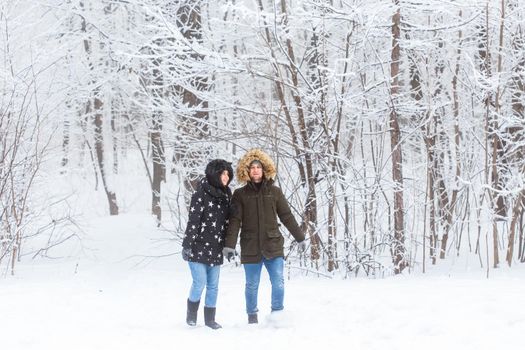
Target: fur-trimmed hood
x,y
243,173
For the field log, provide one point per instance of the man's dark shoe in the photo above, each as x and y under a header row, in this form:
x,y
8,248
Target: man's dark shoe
x,y
252,319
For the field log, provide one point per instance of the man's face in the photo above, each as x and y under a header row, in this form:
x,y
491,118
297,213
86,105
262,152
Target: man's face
x,y
256,172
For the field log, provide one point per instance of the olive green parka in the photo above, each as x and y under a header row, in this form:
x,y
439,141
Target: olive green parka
x,y
256,212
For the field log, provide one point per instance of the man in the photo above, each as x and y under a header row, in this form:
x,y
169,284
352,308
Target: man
x,y
255,208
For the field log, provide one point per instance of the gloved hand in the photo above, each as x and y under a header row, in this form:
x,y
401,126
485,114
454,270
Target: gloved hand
x,y
186,253
229,253
301,246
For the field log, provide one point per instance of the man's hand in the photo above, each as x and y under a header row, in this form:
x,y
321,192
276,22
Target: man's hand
x,y
229,253
301,246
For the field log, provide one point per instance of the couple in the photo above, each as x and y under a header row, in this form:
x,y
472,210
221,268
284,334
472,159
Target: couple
x,y
214,225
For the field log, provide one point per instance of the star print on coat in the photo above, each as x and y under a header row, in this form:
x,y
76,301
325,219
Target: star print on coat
x,y
207,223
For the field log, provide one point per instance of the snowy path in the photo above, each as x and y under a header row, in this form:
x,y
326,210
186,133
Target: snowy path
x,y
110,303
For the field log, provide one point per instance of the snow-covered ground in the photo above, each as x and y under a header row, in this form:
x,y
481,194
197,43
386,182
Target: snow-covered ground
x,y
111,297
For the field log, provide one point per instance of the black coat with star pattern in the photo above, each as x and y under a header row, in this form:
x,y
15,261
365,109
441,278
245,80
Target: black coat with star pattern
x,y
207,223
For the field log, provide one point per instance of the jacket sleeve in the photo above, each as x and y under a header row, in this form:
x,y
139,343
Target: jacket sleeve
x,y
286,216
194,219
235,221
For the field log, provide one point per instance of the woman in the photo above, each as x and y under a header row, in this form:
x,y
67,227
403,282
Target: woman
x,y
204,239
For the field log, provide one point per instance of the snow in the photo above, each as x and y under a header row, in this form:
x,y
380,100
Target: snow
x,y
110,296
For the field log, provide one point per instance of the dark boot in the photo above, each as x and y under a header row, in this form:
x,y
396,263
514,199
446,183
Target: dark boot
x,y
252,319
209,318
191,314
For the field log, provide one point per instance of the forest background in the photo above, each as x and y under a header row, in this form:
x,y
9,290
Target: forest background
x,y
397,126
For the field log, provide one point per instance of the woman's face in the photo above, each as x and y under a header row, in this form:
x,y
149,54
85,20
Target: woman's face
x,y
225,177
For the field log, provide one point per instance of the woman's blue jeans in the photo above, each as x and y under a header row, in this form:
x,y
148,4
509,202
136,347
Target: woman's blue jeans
x,y
252,272
204,276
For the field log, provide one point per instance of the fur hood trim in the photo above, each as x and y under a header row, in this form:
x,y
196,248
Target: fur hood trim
x,y
243,174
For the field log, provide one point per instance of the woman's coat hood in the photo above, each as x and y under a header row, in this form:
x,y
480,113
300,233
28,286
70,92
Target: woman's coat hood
x,y
214,170
243,172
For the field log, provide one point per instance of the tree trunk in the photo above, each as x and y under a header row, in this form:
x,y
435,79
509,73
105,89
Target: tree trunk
x,y
491,130
195,126
66,132
429,138
159,168
398,244
521,254
310,211
99,148
497,143
97,121
446,206
517,139
158,93
317,67
457,133
516,214
114,137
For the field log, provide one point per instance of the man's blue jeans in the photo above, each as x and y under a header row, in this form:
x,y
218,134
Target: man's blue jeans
x,y
204,276
252,272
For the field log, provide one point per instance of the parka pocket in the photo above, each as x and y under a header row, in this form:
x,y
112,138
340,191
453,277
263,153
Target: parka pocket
x,y
249,246
274,233
274,242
